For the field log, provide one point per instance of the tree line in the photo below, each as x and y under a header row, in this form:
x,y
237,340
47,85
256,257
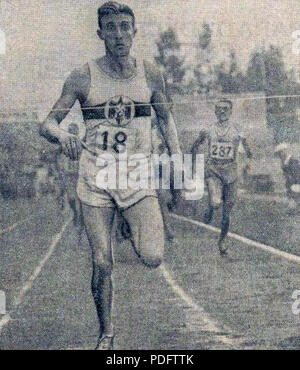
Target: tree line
x,y
266,72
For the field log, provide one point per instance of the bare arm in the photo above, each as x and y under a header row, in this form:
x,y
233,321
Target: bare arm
x,y
166,123
200,140
247,148
162,108
249,165
75,88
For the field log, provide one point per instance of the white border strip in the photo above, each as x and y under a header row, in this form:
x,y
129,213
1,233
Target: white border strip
x,y
251,243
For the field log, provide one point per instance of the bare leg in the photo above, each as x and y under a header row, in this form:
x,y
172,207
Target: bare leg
x,y
147,230
165,215
228,202
225,224
208,215
214,198
98,224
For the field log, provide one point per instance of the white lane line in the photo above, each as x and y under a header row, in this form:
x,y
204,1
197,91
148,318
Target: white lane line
x,y
272,198
265,198
28,285
251,243
207,323
11,227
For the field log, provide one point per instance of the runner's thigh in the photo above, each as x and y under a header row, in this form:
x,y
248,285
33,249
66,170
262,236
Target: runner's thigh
x,y
214,186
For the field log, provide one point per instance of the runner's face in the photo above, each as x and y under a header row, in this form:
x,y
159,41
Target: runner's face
x,y
118,32
223,112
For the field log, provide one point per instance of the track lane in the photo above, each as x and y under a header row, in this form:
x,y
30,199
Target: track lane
x,y
247,298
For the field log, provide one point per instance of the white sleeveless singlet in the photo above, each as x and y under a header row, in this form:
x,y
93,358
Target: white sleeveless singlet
x,y
117,115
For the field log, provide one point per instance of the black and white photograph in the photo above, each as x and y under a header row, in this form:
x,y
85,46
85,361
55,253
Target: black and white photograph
x,y
149,176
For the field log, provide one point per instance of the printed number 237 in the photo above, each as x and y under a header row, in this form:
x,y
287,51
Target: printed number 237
x,y
221,151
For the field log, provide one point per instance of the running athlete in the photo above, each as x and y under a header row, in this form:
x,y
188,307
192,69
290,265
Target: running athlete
x,y
222,142
289,155
50,183
117,94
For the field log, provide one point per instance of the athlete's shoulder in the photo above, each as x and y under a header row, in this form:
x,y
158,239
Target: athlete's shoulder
x,y
154,77
78,81
242,136
80,75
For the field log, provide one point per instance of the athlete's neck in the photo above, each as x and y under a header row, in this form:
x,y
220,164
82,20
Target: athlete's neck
x,y
118,67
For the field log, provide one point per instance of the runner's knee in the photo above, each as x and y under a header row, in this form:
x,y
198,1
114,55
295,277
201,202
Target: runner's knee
x,y
215,202
149,249
228,205
152,261
150,255
147,232
103,264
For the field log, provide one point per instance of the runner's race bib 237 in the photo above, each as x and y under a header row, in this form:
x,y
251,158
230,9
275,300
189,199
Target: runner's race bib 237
x,y
221,150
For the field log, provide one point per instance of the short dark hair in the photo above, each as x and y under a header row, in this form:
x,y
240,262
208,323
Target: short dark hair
x,y
112,7
225,100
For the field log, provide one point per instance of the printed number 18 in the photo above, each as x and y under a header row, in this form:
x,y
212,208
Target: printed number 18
x,y
120,140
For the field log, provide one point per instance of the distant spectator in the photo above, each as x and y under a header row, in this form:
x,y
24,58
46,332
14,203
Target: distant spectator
x,y
289,155
41,183
68,170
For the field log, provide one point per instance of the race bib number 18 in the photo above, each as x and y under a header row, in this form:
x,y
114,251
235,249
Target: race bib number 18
x,y
115,139
221,150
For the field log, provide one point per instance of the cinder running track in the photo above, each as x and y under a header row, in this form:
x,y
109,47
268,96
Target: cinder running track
x,y
196,300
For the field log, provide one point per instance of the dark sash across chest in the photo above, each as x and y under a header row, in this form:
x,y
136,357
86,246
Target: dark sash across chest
x,y
119,110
